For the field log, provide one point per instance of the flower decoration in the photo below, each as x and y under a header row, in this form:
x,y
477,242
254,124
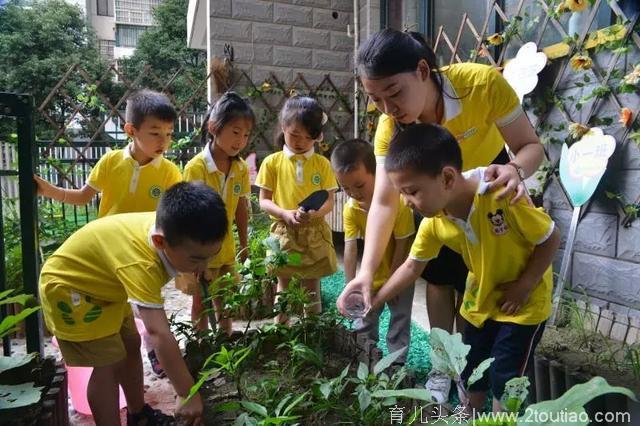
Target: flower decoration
x,y
633,77
324,147
496,40
561,8
576,5
577,130
581,62
626,117
292,93
266,87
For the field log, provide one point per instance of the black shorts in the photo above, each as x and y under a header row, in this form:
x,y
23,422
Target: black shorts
x,y
449,267
512,346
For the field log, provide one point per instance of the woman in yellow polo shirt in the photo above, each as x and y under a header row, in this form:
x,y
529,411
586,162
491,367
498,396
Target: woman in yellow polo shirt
x,y
398,71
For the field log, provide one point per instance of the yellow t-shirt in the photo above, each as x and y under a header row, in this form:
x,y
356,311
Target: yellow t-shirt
x,y
128,187
87,284
354,223
486,103
292,178
496,243
231,188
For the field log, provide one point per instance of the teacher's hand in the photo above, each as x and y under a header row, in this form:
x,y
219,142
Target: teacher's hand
x,y
363,283
505,177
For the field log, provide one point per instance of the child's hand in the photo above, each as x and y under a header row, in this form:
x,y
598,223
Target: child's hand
x,y
303,215
290,217
42,185
515,295
190,412
364,285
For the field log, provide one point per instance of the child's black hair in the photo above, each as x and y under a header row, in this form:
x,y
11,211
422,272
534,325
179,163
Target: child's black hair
x,y
191,211
390,52
425,149
229,107
347,155
303,110
147,103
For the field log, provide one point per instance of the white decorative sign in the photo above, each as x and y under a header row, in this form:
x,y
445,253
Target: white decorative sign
x,y
522,71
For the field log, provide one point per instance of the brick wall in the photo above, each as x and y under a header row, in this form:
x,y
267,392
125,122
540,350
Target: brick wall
x,y
286,37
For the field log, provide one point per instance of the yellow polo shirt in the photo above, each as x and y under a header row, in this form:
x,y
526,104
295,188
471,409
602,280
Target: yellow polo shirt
x,y
231,188
87,284
126,186
496,242
477,102
292,177
354,223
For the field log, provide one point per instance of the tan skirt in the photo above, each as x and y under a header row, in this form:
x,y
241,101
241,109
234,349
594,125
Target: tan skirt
x,y
188,283
313,242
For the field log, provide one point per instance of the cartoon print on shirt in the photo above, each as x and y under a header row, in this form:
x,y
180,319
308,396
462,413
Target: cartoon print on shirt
x,y
497,220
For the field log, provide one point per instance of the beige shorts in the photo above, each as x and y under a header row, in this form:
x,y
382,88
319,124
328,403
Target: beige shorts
x,y
188,283
99,352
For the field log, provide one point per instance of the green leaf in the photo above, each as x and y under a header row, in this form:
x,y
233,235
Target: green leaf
x,y
14,396
325,389
363,371
515,393
386,362
22,299
448,353
255,408
364,399
294,404
418,394
9,323
294,259
15,361
227,406
478,372
575,398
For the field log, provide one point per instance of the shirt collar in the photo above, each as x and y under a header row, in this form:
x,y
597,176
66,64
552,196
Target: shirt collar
x,y
356,205
127,154
451,104
163,257
479,174
208,159
290,153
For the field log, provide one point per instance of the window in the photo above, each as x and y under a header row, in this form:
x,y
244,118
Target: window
x,y
105,48
128,35
104,7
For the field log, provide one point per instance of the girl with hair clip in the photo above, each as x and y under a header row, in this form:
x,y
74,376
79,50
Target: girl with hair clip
x,y
285,179
225,133
475,103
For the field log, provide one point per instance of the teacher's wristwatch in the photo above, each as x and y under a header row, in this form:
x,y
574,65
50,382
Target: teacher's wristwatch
x,y
519,170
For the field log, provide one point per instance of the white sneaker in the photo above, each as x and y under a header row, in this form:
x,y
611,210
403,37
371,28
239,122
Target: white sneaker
x,y
438,385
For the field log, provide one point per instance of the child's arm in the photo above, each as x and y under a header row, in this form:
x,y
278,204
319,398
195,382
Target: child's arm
x,y
324,210
157,325
350,260
242,224
402,278
78,197
516,293
400,253
267,204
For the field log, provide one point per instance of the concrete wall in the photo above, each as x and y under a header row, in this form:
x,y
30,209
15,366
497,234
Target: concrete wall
x,y
286,37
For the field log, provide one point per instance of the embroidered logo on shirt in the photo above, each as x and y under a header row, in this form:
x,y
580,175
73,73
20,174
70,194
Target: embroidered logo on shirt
x,y
236,189
315,179
498,223
155,191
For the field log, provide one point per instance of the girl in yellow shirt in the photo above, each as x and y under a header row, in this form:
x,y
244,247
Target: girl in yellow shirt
x,y
225,134
288,177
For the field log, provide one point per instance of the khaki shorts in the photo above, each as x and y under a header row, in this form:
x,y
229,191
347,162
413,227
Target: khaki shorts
x,y
188,283
99,352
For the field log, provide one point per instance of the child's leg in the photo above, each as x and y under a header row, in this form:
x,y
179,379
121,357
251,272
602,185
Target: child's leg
x,y
482,342
399,334
283,284
513,350
103,395
224,322
313,287
369,325
130,372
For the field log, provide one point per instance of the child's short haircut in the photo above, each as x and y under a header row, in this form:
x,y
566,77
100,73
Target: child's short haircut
x,y
349,154
145,103
229,107
425,149
191,211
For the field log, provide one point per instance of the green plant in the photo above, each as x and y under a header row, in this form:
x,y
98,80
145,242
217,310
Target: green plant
x,y
633,358
10,323
228,361
259,415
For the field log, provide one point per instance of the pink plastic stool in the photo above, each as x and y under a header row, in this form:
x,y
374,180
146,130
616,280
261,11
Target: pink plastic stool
x,y
78,380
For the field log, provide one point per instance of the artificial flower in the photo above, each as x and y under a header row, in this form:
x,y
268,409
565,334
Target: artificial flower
x,y
496,39
324,147
626,117
581,62
292,93
561,8
633,77
266,87
577,130
576,5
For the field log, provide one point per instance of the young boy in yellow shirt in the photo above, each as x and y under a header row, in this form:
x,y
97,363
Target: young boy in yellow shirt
x,y
354,164
508,249
131,179
89,283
